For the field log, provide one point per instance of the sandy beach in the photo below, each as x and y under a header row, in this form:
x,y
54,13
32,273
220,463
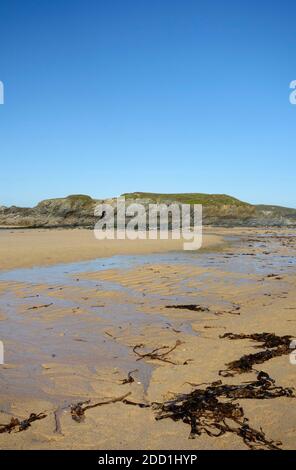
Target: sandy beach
x,y
26,248
97,349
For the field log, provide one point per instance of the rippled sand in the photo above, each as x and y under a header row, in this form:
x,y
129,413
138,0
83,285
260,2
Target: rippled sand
x,y
69,333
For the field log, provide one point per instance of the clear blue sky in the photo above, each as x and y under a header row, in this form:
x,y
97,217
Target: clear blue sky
x,y
109,96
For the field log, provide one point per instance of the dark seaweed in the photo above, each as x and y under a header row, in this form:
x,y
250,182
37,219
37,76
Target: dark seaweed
x,y
78,410
21,425
193,307
273,346
129,378
156,354
205,412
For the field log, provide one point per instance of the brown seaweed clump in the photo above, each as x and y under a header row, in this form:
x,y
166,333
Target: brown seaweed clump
x,y
273,346
212,410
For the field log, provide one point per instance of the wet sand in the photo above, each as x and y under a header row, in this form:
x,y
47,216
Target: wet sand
x,y
70,333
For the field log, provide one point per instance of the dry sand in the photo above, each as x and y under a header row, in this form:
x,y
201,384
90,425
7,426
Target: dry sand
x,y
25,247
73,340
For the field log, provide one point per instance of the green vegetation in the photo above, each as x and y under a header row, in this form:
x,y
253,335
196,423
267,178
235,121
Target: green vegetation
x,y
82,199
73,200
277,210
190,198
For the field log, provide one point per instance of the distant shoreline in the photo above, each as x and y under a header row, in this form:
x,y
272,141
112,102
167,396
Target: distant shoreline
x,y
79,211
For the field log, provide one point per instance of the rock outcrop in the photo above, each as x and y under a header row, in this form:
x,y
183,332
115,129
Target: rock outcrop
x,y
78,211
71,211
